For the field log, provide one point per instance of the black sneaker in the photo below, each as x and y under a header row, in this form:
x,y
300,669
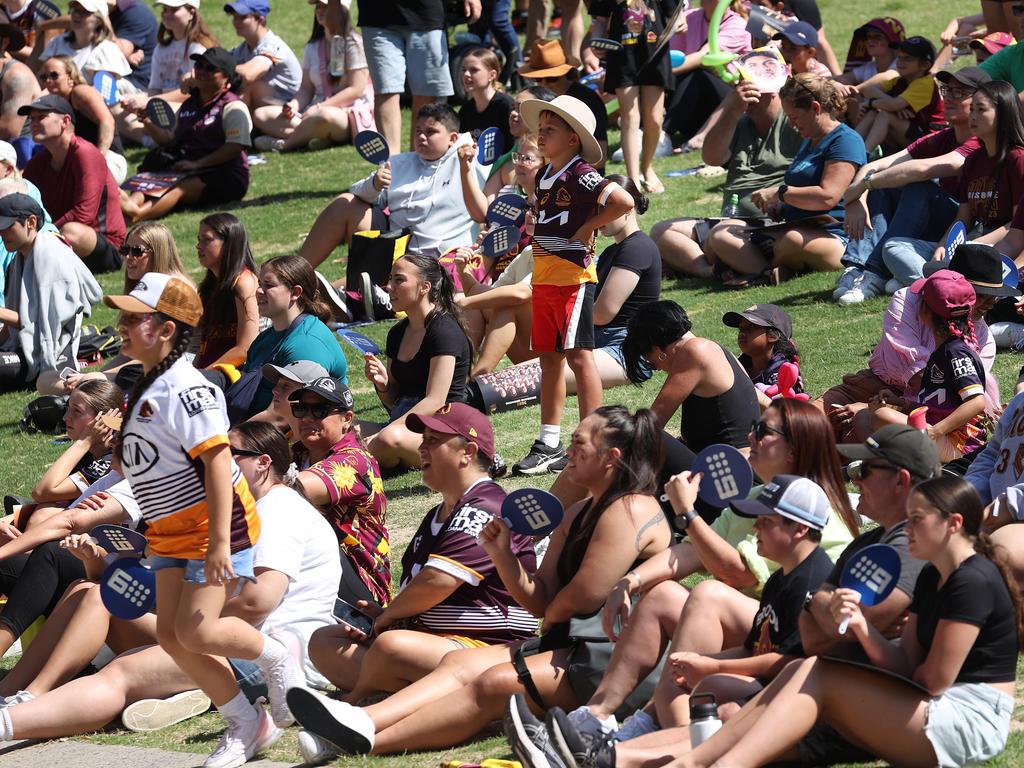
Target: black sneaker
x,y
337,303
528,737
540,458
376,300
579,749
559,465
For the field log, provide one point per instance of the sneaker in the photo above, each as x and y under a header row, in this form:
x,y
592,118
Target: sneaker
x,y
585,720
528,737
376,301
579,749
346,728
337,303
892,286
866,285
154,714
242,741
15,698
317,143
267,143
540,457
559,465
314,750
283,676
637,724
846,281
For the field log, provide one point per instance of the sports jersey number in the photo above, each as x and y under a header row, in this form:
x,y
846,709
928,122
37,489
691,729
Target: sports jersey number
x,y
562,218
1018,461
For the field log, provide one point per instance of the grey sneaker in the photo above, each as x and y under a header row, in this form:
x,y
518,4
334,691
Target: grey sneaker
x,y
866,285
845,282
579,749
528,737
540,459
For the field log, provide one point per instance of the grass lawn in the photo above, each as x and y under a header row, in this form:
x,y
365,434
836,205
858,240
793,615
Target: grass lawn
x,y
289,191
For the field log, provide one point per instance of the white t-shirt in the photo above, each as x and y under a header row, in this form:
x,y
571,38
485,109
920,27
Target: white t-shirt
x,y
170,65
104,57
297,540
519,270
120,489
285,75
867,70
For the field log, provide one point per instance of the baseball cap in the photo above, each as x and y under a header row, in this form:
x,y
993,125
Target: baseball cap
x,y
981,265
15,37
994,42
50,102
16,207
8,153
330,389
300,372
791,496
764,315
93,6
972,77
245,7
457,419
900,445
157,292
217,58
947,293
920,47
890,27
799,33
178,3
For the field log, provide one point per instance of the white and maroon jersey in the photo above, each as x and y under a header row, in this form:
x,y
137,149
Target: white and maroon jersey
x,y
566,199
481,607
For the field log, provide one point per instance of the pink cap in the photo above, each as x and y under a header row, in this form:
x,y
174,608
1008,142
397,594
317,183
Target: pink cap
x,y
947,293
995,42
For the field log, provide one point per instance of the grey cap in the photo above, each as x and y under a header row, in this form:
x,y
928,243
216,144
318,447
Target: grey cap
x,y
301,372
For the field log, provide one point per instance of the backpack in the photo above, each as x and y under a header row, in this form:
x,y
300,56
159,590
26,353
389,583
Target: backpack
x,y
96,345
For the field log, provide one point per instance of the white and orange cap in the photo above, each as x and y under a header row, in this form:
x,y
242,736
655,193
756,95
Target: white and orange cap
x,y
157,292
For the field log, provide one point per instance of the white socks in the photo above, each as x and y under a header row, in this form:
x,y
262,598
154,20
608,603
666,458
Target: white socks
x,y
273,652
550,435
238,709
6,729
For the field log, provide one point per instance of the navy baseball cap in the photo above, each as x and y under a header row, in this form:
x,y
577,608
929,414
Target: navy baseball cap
x,y
918,47
18,206
246,7
799,33
330,389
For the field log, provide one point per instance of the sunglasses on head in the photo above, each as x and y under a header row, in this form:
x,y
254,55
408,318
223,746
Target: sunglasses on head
x,y
859,469
316,410
133,251
761,429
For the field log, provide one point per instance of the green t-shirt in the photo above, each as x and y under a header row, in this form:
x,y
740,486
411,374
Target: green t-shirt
x,y
757,162
1007,65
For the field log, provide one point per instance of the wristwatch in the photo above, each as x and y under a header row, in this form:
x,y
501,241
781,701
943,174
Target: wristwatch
x,y
867,179
782,192
807,601
683,521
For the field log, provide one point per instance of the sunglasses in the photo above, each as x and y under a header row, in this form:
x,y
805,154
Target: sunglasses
x,y
241,452
133,251
761,429
859,470
955,94
316,410
44,76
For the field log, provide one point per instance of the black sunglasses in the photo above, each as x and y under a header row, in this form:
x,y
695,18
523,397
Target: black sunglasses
x,y
859,470
135,251
243,452
316,410
761,429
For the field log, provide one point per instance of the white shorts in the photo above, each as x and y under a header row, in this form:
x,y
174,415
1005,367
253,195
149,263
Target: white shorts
x,y
968,724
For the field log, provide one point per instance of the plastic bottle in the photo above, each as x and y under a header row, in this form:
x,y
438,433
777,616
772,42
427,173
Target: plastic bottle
x,y
703,716
732,210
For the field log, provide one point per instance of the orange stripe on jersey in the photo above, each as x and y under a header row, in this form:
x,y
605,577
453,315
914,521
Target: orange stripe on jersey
x,y
457,564
186,533
549,269
206,445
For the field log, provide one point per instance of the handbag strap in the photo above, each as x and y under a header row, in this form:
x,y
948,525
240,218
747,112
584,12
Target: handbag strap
x,y
530,648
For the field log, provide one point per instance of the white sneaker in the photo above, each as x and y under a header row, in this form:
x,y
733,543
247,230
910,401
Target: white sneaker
x,y
637,724
337,303
15,698
866,285
892,286
242,741
314,750
282,676
845,281
1006,335
267,143
154,714
587,722
349,729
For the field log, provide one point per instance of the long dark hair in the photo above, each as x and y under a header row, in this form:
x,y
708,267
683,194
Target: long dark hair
x,y
264,437
442,289
319,32
217,292
640,200
182,339
947,494
638,438
294,270
1009,125
655,324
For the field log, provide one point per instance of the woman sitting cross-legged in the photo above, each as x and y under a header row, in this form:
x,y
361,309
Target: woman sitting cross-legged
x,y
615,456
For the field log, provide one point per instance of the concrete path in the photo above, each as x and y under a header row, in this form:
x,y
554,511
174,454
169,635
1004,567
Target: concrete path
x,y
23,754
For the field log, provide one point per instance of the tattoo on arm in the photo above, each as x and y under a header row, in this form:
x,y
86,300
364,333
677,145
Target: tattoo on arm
x,y
658,517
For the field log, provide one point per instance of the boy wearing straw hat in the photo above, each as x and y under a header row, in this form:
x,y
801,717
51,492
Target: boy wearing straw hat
x,y
572,201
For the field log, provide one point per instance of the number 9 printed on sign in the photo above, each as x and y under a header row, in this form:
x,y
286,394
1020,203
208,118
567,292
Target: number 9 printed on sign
x,y
532,512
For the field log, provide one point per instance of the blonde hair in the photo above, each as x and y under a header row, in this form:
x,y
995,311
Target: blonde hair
x,y
806,88
71,68
490,61
164,258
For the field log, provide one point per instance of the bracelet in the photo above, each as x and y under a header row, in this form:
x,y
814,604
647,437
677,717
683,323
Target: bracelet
x,y
639,581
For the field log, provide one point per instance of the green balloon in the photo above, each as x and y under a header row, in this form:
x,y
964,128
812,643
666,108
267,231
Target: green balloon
x,y
717,59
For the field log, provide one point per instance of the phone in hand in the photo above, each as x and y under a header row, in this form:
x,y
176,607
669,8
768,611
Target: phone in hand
x,y
65,372
348,614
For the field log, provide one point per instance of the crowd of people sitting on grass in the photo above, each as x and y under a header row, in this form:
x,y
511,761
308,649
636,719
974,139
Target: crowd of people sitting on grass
x,y
652,625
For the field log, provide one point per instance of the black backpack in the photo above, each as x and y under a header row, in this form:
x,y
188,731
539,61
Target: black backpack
x,y
45,414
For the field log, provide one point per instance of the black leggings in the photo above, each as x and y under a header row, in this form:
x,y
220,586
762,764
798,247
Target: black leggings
x,y
34,583
351,589
695,97
679,458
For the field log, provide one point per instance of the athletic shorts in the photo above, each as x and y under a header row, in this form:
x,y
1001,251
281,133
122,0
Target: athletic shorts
x,y
222,185
968,724
563,317
396,52
104,257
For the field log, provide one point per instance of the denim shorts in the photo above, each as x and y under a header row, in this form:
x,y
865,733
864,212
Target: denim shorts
x,y
250,678
608,339
241,564
396,52
401,407
968,724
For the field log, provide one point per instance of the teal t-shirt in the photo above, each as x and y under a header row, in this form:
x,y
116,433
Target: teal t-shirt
x,y
309,340
1007,65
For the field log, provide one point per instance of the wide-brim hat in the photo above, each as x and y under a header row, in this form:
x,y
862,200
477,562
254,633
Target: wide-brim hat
x,y
981,265
575,113
547,59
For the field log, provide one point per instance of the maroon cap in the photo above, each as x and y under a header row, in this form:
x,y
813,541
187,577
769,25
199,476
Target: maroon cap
x,y
457,419
947,293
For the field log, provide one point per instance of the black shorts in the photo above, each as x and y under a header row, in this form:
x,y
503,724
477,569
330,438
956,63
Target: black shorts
x,y
823,745
630,67
221,185
104,257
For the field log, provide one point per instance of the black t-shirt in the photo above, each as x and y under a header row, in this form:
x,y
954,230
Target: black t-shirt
x,y
138,25
776,627
443,336
495,115
805,10
975,593
417,15
595,105
639,254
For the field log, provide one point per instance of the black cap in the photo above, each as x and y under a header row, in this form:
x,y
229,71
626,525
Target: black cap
x,y
50,102
972,77
981,264
17,207
918,46
330,389
14,37
900,445
765,315
217,58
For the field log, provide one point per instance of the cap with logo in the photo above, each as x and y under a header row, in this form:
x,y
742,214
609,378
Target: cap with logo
x,y
157,292
900,445
457,419
17,207
799,33
50,102
791,496
995,42
764,315
918,47
330,389
299,372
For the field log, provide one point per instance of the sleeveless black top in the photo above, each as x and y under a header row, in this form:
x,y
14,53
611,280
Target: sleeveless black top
x,y
724,418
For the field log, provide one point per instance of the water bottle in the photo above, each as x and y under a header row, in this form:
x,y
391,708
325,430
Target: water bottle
x,y
732,210
703,716
336,65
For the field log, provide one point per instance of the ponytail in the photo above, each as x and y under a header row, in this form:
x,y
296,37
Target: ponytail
x,y
294,270
997,555
442,289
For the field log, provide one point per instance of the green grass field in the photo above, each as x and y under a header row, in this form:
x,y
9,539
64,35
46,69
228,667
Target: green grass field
x,y
289,191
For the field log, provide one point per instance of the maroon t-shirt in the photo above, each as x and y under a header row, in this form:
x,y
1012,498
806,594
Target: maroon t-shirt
x,y
481,608
82,191
992,188
941,143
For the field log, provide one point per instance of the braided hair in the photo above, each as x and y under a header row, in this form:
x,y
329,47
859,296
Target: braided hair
x,y
182,339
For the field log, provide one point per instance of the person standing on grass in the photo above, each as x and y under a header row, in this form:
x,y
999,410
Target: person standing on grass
x,y
573,200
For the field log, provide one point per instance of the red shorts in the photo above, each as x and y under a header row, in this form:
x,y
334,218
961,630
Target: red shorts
x,y
563,317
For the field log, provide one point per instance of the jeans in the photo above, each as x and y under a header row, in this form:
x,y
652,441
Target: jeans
x,y
34,584
496,18
919,210
905,256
